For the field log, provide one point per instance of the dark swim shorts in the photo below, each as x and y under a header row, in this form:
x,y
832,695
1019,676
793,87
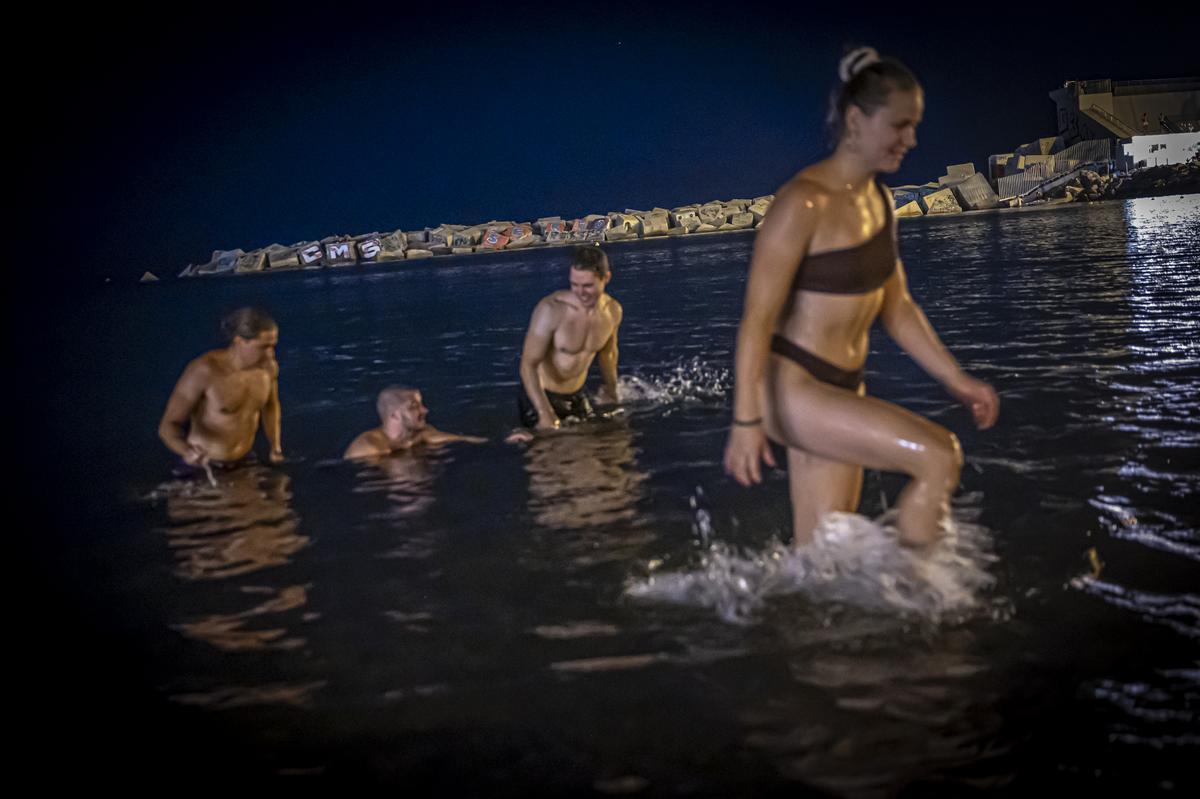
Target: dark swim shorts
x,y
182,470
574,405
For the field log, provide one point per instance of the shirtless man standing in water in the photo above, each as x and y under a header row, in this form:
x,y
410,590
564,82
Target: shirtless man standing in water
x,y
567,331
213,413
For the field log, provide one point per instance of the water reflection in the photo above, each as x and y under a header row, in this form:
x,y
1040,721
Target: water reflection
x,y
298,695
889,715
228,632
241,526
584,487
584,479
1150,712
406,479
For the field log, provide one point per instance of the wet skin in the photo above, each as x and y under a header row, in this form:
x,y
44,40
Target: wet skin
x,y
220,400
831,432
567,331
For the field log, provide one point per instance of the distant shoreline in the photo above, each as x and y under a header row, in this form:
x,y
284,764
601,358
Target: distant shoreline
x,y
1140,192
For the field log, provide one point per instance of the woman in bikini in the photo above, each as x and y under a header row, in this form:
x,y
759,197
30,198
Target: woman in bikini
x,y
824,268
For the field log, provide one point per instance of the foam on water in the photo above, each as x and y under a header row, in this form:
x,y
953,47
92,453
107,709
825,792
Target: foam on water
x,y
685,380
853,560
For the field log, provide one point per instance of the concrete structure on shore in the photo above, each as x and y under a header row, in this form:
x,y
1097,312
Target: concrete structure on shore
x,y
951,194
1122,109
1152,120
1104,126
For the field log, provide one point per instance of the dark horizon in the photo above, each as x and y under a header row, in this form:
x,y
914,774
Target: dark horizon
x,y
239,131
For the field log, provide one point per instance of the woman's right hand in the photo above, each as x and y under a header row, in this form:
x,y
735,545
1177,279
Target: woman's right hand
x,y
747,445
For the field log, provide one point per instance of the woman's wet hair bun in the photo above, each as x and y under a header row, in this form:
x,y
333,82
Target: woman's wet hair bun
x,y
854,61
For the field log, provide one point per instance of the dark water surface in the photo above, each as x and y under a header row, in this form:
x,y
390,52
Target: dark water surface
x,y
606,612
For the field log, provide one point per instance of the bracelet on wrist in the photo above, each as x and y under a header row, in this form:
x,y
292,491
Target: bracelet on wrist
x,y
747,422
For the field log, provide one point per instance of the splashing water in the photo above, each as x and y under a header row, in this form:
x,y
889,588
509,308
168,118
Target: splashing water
x,y
852,560
686,380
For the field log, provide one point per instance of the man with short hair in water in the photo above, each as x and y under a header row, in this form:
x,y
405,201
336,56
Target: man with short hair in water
x,y
213,413
402,413
567,331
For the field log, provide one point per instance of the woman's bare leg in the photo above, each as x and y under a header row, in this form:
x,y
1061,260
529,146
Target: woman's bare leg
x,y
837,425
819,486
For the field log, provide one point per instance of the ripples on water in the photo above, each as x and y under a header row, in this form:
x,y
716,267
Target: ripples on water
x,y
604,611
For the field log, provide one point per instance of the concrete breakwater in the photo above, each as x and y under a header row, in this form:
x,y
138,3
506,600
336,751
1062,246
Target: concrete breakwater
x,y
964,190
448,239
961,189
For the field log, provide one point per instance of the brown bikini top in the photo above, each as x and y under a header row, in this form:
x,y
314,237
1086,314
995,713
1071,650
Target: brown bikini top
x,y
852,270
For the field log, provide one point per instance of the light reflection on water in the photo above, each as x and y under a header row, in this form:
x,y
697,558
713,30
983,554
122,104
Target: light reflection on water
x,y
477,595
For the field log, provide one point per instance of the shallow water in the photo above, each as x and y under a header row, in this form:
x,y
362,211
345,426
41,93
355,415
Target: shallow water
x,y
605,611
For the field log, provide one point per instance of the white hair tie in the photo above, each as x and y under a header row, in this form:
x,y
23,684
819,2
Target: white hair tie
x,y
856,61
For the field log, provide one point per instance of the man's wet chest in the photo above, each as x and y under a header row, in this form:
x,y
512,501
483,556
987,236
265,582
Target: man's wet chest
x,y
580,334
240,391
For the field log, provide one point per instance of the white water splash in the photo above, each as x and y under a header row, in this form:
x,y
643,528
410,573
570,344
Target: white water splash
x,y
853,560
687,380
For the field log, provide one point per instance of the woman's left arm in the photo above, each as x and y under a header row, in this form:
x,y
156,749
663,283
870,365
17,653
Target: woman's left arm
x,y
906,323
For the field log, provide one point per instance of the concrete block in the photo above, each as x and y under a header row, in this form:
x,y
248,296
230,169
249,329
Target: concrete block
x,y
222,261
392,246
340,253
312,255
465,239
1042,146
712,213
655,223
254,261
911,208
622,226
368,248
521,235
686,217
280,257
496,238
413,254
743,220
975,193
555,231
594,227
960,171
940,202
759,208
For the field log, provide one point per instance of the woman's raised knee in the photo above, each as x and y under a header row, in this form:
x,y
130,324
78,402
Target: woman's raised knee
x,y
941,458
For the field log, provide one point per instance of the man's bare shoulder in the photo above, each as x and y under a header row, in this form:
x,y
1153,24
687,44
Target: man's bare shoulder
x,y
562,300
551,309
615,309
371,444
205,368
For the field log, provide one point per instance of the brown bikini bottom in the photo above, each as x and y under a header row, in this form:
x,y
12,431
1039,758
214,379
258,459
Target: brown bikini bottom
x,y
819,368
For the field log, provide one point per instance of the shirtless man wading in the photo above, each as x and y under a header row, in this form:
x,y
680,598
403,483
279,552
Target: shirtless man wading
x,y
567,331
213,414
403,426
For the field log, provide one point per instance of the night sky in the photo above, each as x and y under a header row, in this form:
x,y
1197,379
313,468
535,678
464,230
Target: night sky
x,y
233,129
